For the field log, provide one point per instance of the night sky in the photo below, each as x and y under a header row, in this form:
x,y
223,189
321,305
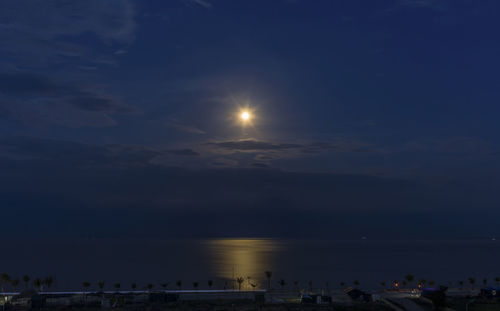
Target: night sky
x,y
119,119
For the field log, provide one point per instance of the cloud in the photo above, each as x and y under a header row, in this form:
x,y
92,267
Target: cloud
x,y
260,165
75,153
40,32
94,103
183,152
253,145
81,183
29,84
35,99
184,128
71,179
200,3
455,146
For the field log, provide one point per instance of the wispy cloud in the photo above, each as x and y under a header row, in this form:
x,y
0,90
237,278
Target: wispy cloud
x,y
35,99
184,128
200,3
38,33
259,146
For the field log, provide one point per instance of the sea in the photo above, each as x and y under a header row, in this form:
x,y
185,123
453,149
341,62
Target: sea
x,y
324,264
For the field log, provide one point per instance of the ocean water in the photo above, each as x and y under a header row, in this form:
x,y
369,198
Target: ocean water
x,y
71,262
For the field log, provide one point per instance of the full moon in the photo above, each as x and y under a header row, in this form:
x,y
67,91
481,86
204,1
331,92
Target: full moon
x,y
245,116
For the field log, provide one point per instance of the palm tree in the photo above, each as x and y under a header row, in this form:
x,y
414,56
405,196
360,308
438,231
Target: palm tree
x,y
26,280
269,274
472,281
48,281
117,286
149,287
164,285
327,286
5,279
342,284
422,281
282,283
240,281
410,278
356,283
179,284
101,289
37,283
461,284
15,284
310,283
195,285
85,286
485,281
497,280
296,284
432,283
210,283
133,286
383,284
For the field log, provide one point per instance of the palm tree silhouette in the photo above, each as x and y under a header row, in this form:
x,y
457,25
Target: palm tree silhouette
x,y
179,284
485,281
26,280
383,284
472,281
37,283
49,280
5,279
269,274
497,280
422,281
342,284
85,286
296,284
210,283
117,287
461,284
15,284
149,287
195,285
133,286
356,283
310,283
164,285
410,278
101,289
432,283
282,283
240,281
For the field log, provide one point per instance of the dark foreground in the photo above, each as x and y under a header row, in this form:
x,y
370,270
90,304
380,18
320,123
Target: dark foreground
x,y
222,306
456,303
